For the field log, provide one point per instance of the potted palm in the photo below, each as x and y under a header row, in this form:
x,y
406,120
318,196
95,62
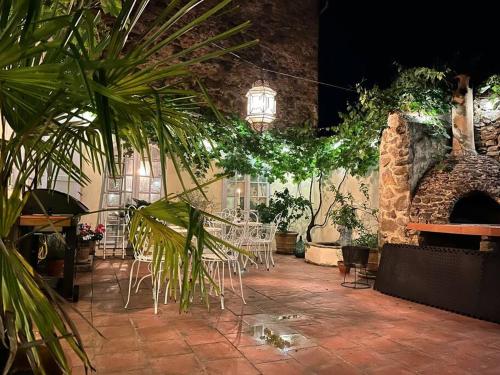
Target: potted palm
x,y
74,84
289,209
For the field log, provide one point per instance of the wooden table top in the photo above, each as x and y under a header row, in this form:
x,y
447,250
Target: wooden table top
x,y
42,220
492,230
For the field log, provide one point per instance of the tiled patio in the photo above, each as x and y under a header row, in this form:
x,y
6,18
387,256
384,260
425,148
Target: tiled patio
x,y
335,330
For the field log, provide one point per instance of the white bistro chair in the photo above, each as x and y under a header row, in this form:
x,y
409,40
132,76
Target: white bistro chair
x,y
227,257
259,242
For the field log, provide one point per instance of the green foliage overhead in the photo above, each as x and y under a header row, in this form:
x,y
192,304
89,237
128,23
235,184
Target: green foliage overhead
x,y
297,152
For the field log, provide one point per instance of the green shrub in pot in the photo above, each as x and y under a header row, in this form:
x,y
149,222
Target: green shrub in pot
x,y
291,209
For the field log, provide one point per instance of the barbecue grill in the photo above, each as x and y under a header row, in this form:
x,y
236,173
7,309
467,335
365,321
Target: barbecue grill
x,y
33,223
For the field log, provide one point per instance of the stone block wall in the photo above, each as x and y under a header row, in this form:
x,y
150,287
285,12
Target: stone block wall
x,y
487,128
288,42
406,153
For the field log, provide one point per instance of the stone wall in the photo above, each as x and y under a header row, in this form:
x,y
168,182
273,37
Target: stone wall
x,y
406,153
451,180
487,128
288,38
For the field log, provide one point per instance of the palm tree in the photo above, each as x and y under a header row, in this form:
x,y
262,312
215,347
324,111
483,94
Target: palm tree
x,y
71,84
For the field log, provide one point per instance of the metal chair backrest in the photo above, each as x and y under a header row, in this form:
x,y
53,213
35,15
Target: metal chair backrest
x,y
142,246
252,216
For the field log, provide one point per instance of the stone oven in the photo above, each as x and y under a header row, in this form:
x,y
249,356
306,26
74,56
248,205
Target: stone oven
x,y
423,184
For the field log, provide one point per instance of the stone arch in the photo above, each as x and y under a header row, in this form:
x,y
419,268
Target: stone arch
x,y
445,184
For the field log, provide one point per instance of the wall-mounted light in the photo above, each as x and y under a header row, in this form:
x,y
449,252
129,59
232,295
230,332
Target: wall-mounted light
x,y
261,105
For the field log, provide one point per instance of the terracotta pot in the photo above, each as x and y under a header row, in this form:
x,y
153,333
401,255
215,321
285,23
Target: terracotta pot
x,y
343,269
373,260
85,248
55,267
285,242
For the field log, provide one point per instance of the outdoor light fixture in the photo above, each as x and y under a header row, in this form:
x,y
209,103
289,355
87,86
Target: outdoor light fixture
x,y
261,105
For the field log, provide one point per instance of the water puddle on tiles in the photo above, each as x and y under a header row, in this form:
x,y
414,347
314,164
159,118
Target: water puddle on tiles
x,y
277,338
288,317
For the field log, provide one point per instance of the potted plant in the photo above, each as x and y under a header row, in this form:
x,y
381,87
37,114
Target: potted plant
x,y
370,240
56,249
290,209
87,238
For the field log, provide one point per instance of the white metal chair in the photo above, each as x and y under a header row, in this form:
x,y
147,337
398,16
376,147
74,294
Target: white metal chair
x,y
260,241
143,254
216,263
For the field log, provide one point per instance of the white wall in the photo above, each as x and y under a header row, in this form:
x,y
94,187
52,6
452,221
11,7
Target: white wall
x,y
329,233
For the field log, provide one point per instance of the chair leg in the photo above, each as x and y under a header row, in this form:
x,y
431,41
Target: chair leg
x,y
271,254
156,290
245,261
137,273
141,280
166,293
130,281
241,285
222,287
229,272
123,247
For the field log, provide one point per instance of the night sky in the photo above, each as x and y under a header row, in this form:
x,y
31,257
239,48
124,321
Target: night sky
x,y
362,40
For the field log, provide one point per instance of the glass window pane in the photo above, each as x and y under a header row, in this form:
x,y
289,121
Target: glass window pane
x,y
129,183
263,190
113,200
154,197
155,153
144,197
156,169
156,185
129,166
127,198
114,184
254,190
256,201
144,169
144,184
230,202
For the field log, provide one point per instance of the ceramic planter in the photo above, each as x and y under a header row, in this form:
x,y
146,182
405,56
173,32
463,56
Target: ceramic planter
x,y
285,242
323,253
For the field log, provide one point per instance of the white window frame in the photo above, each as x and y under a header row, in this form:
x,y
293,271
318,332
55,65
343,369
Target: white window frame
x,y
247,183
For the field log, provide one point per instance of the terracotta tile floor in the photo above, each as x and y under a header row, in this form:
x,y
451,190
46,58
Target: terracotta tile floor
x,y
334,330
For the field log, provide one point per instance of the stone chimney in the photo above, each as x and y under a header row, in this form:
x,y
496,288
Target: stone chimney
x,y
462,118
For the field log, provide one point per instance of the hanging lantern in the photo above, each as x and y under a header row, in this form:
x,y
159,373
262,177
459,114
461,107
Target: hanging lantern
x,y
261,105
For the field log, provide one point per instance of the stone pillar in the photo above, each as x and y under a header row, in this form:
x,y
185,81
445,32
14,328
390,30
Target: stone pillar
x,y
394,185
407,152
462,118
